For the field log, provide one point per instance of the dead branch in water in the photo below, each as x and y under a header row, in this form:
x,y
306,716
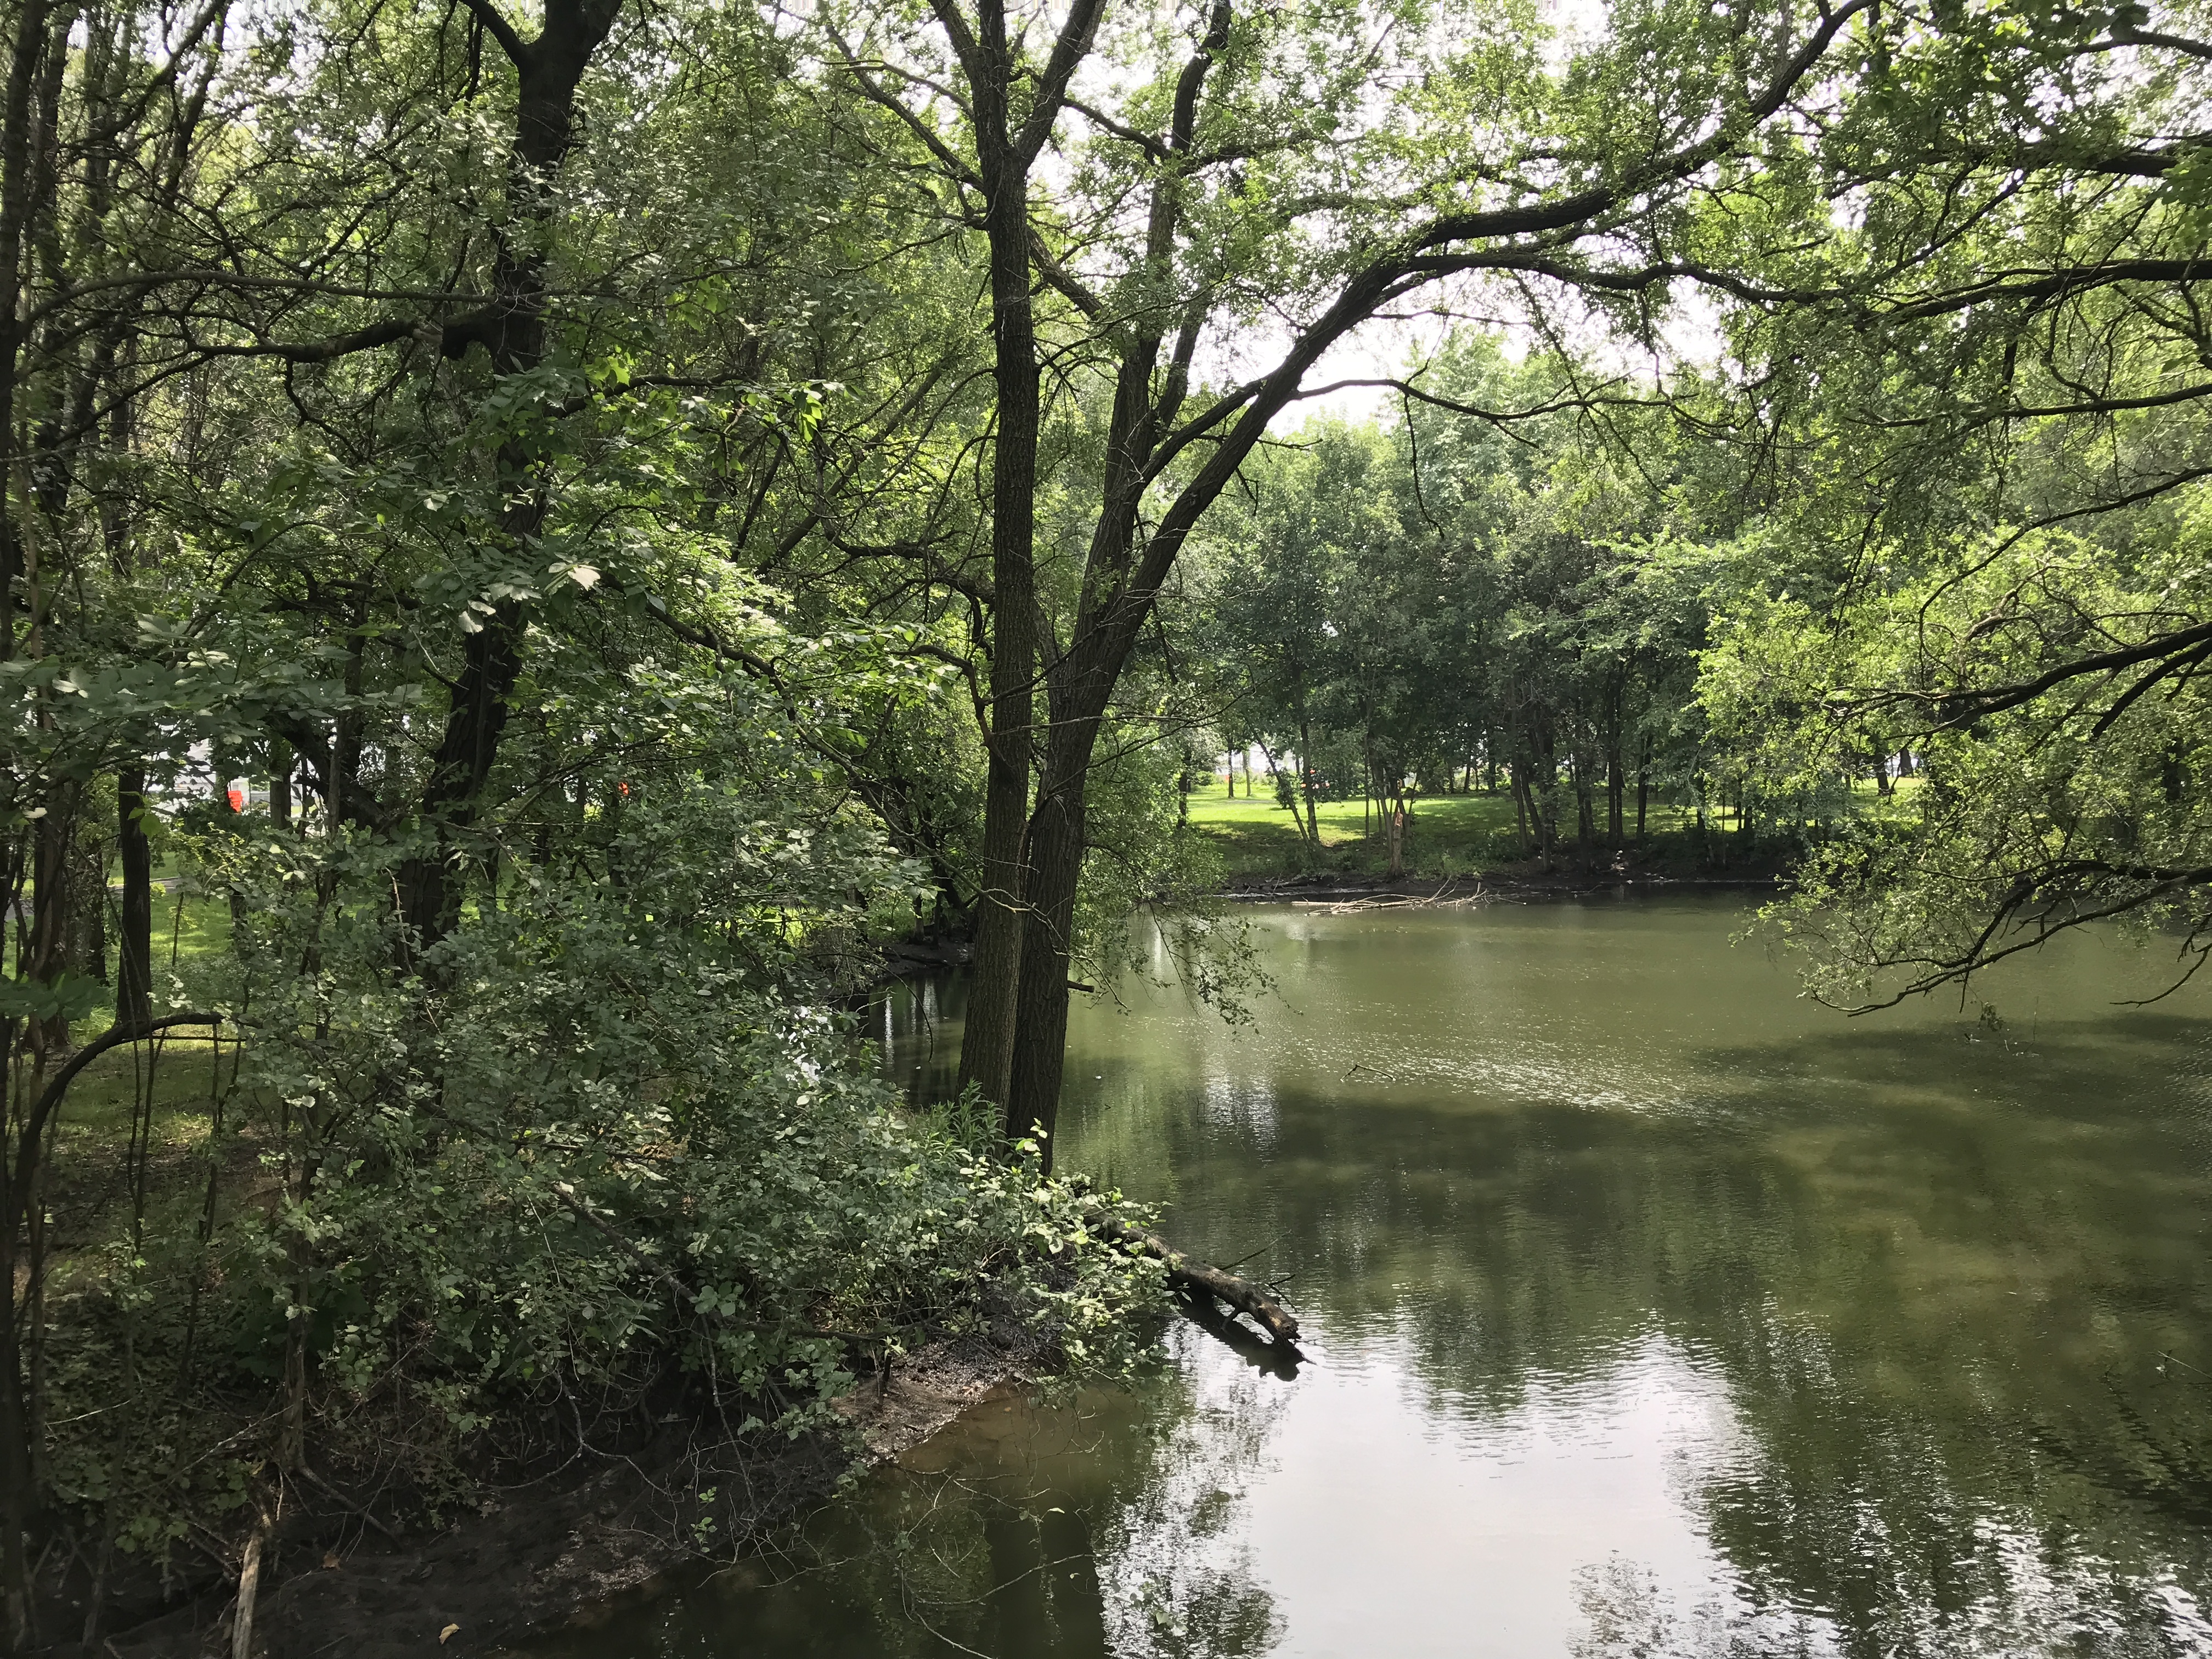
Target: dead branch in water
x,y
1445,897
1200,1278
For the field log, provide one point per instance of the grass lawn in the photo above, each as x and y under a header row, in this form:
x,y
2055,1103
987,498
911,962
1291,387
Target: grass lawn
x,y
1446,835
93,1129
1256,836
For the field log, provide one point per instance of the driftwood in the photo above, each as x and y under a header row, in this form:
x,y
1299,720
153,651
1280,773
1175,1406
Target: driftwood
x,y
1199,1278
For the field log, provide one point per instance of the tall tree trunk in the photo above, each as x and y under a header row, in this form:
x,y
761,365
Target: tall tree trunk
x,y
1643,787
1616,794
548,71
47,954
1305,778
134,943
279,784
1006,149
987,1041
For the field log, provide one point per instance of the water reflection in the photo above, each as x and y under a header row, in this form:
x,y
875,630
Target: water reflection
x,y
1653,1312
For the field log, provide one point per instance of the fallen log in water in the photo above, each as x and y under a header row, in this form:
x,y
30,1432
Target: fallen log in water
x,y
1277,1359
1199,1277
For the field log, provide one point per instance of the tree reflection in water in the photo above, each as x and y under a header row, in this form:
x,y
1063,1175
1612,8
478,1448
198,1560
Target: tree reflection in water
x,y
1655,1313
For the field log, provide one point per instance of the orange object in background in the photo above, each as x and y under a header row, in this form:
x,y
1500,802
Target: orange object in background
x,y
237,799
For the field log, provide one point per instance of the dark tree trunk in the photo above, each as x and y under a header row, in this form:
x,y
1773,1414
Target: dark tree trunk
x,y
548,71
986,1043
134,943
1616,791
279,784
1585,815
1056,844
45,954
1004,154
1643,787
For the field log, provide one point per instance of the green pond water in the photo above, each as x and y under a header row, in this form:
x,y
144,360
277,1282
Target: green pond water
x,y
1651,1311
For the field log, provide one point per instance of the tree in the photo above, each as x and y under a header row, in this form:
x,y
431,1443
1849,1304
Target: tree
x,y
377,421
1982,461
1239,153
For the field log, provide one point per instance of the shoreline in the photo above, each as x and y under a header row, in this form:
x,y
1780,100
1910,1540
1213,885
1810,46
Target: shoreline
x,y
1320,889
907,958
552,1553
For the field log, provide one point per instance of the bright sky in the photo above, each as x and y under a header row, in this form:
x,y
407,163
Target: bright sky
x,y
1393,347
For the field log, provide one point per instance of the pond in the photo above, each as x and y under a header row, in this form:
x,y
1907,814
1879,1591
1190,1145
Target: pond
x,y
1652,1310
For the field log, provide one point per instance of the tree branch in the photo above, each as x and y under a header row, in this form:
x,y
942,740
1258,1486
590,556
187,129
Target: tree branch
x,y
2128,34
1068,52
518,51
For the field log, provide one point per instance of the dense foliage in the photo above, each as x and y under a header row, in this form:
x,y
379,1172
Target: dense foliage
x,y
1407,608
669,499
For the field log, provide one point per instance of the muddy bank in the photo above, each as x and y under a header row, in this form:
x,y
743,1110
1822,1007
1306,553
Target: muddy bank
x,y
562,1550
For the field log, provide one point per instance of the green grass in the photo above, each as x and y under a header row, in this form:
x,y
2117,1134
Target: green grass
x,y
91,1191
1447,834
93,1129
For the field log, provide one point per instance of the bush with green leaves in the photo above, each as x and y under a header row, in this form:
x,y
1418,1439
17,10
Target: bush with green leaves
x,y
603,1135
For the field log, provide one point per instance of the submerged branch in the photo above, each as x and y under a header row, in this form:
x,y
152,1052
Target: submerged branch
x,y
1239,1293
